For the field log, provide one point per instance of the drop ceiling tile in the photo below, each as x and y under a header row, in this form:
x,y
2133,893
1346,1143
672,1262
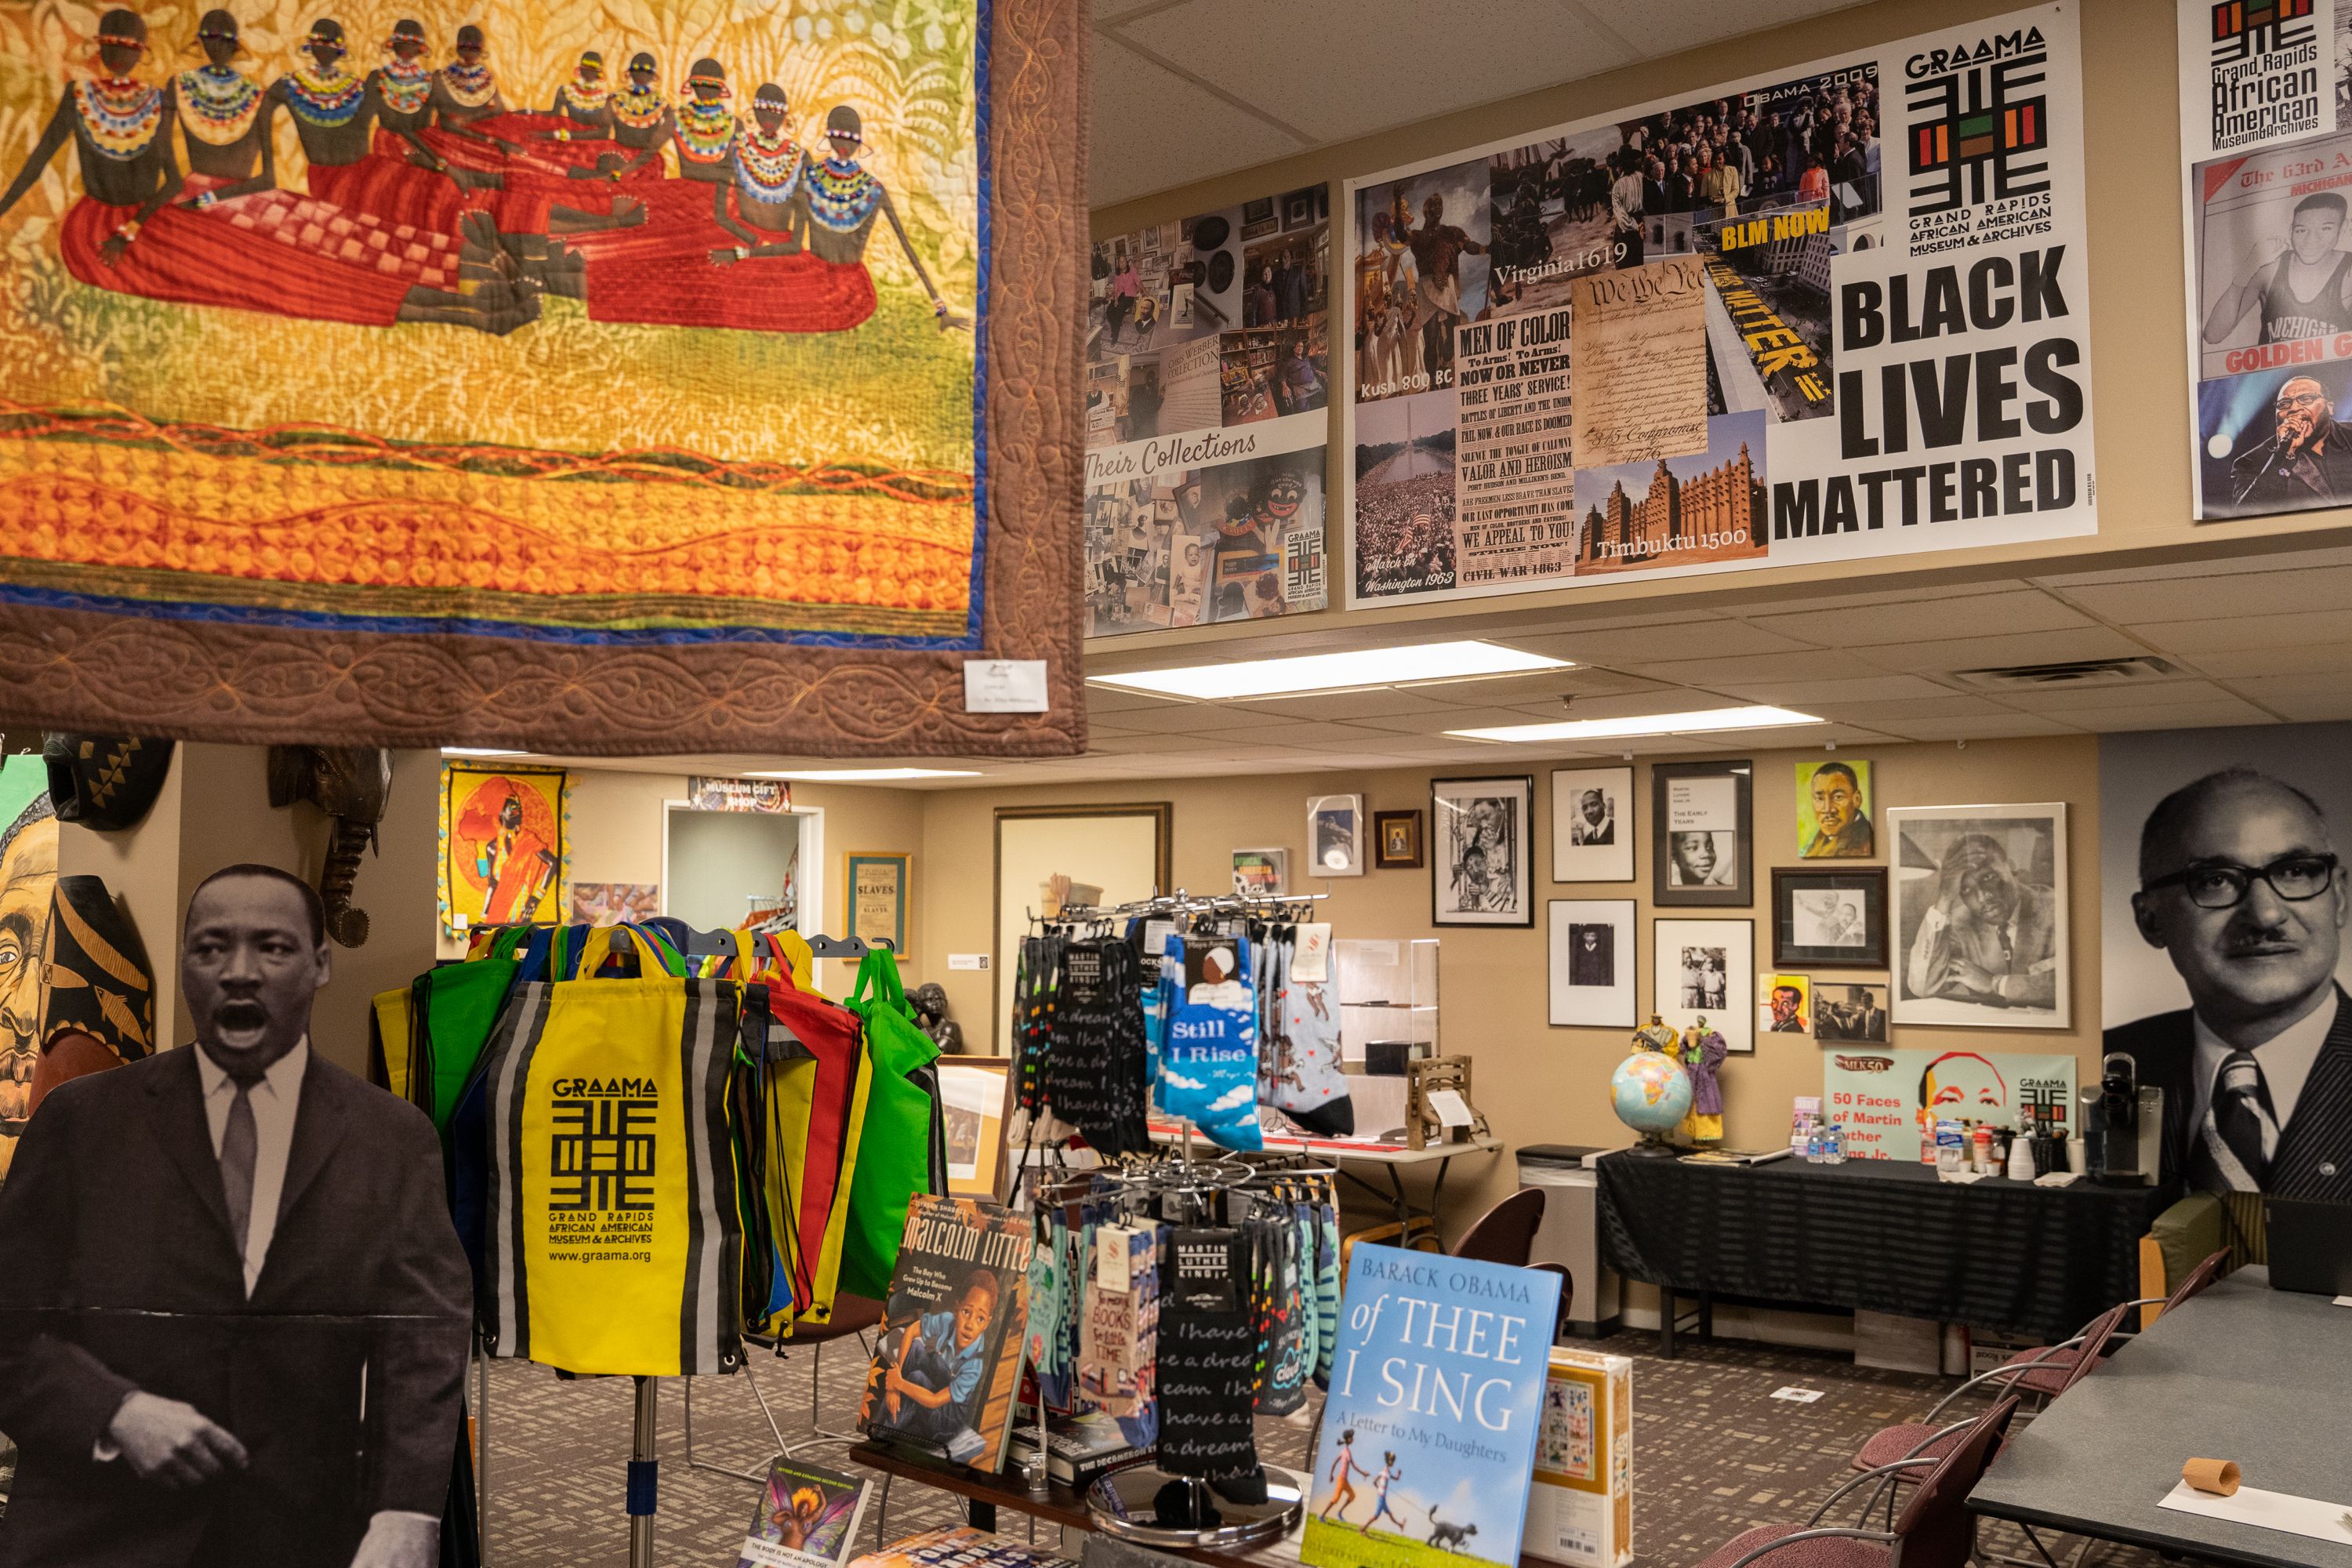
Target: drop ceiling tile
x,y
2331,659
1171,718
1116,745
1296,734
1974,615
1133,153
2166,716
2095,699
1812,664
1812,696
2299,560
1330,68
1944,654
2007,724
1112,700
1632,705
1438,720
1949,705
1113,10
2227,634
1780,604
1685,639
2259,593
1343,706
2306,705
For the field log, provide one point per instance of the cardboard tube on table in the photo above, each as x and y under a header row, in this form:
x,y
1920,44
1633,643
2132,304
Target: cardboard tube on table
x,y
2219,1477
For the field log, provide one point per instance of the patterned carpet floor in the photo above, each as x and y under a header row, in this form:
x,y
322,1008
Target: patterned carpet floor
x,y
1714,1453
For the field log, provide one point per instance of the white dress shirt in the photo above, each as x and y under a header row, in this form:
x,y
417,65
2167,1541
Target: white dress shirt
x,y
2286,1059
275,1100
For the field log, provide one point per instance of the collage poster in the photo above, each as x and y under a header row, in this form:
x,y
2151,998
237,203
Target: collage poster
x,y
1836,312
2266,133
1208,375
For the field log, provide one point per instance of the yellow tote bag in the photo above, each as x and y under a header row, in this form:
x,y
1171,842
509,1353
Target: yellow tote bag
x,y
616,1239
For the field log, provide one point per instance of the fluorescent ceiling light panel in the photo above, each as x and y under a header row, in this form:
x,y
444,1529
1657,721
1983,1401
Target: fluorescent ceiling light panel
x,y
1696,724
864,775
1368,667
479,751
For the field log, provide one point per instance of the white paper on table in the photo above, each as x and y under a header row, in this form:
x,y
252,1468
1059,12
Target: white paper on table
x,y
2266,1510
1452,1111
2343,1300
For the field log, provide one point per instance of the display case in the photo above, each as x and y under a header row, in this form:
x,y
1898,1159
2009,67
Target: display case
x,y
1388,1002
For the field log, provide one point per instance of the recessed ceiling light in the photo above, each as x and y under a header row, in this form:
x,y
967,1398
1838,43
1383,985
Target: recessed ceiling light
x,y
1408,666
1695,723
479,751
864,776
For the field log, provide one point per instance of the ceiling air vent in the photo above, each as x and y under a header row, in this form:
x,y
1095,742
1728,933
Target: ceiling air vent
x,y
2074,672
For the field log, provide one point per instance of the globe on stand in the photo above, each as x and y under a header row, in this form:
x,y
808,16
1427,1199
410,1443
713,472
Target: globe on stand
x,y
1651,1093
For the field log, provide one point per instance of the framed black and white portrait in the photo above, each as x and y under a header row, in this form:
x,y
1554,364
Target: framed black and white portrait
x,y
1705,969
1980,915
1852,1013
1829,920
1483,828
1335,836
1700,835
1593,824
1591,963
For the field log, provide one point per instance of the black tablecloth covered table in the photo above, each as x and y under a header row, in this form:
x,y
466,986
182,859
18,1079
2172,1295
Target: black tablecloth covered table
x,y
2002,1256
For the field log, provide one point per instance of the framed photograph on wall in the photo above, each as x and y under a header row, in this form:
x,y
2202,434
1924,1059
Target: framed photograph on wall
x,y
1483,828
1335,836
1591,943
1701,836
1265,872
1115,852
1396,841
1829,920
1593,824
881,890
1705,969
1980,915
1853,1012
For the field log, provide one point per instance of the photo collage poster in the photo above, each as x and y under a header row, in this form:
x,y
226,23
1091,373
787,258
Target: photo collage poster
x,y
1208,390
2266,135
1833,312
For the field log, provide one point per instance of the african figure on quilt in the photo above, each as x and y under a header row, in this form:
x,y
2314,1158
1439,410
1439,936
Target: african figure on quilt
x,y
404,316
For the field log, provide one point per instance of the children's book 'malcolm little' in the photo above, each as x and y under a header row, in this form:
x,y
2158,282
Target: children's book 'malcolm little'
x,y
1428,1442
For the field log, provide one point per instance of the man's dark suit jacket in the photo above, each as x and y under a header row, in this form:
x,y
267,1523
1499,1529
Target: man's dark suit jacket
x,y
119,1272
2164,1046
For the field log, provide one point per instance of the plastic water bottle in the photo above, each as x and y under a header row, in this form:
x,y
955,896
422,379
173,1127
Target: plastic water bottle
x,y
1833,1144
1815,1145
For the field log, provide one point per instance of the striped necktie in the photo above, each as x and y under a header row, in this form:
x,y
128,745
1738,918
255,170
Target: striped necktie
x,y
2240,1133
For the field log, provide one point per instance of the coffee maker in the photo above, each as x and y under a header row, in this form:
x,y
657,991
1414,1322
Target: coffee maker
x,y
2131,1116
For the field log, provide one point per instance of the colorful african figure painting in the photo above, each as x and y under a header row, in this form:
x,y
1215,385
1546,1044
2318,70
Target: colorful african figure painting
x,y
503,847
28,875
597,324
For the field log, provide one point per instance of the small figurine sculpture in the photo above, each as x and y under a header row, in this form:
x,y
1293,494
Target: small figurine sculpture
x,y
931,1004
1654,1036
1702,1053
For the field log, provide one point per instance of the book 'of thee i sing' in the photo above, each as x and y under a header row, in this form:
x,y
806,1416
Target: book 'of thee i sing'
x,y
1427,1447
947,1362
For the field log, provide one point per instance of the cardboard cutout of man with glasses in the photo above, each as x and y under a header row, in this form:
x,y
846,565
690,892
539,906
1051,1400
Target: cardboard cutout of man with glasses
x,y
2241,885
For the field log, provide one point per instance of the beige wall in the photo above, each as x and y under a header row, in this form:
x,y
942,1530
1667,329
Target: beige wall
x,y
2138,343
214,812
1539,1084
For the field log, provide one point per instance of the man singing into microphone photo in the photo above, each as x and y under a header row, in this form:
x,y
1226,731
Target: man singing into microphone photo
x,y
2307,463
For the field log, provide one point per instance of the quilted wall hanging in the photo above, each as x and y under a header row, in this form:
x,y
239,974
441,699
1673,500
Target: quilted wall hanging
x,y
605,375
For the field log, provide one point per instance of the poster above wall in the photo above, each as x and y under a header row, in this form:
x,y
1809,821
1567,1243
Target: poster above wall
x,y
1827,313
691,385
2266,134
1208,374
